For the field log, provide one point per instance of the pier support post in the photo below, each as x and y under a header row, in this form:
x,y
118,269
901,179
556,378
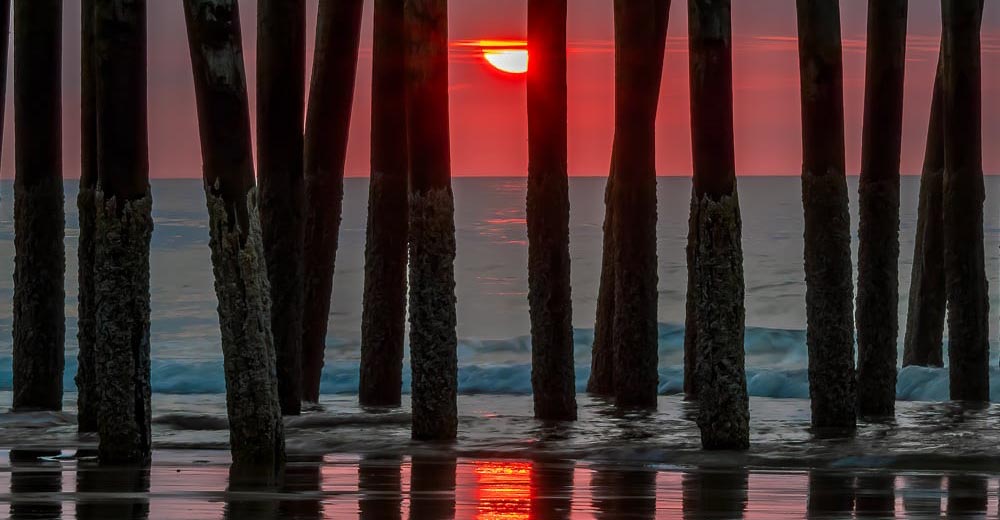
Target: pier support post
x,y
877,314
716,251
433,340
39,222
383,314
829,277
553,380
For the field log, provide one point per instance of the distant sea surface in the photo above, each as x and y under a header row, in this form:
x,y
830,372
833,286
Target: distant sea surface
x,y
491,273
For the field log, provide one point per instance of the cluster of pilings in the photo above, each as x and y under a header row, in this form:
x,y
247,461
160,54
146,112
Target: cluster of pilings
x,y
274,234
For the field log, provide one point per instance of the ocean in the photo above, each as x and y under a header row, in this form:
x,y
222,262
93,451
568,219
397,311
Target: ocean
x,y
491,275
351,462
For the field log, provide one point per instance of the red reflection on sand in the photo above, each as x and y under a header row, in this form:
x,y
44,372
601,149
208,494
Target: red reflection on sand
x,y
503,490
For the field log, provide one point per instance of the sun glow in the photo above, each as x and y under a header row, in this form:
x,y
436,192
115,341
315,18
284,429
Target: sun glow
x,y
509,56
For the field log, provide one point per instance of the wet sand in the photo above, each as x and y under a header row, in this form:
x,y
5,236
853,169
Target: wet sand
x,y
195,485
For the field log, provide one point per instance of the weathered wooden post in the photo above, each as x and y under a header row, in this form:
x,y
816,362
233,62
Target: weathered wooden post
x,y
124,226
716,230
383,313
964,194
829,281
878,235
602,351
87,407
553,380
433,340
281,48
5,29
39,221
328,122
256,431
640,40
926,307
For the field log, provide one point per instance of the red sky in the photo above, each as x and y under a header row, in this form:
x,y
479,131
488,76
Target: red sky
x,y
489,133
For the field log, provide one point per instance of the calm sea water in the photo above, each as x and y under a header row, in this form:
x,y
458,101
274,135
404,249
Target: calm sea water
x,y
936,456
492,285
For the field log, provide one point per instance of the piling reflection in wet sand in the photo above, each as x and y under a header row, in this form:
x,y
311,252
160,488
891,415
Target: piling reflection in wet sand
x,y
714,494
301,497
111,492
432,487
380,486
830,495
875,495
968,495
552,490
252,494
30,473
623,492
922,495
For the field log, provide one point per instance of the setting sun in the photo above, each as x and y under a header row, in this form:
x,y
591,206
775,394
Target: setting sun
x,y
509,56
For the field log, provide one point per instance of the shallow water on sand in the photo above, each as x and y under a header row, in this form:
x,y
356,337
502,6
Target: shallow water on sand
x,y
195,485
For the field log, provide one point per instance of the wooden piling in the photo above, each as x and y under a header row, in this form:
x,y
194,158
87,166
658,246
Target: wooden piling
x,y
553,379
716,250
964,195
281,48
433,340
256,431
640,40
87,407
328,122
878,235
829,279
124,226
40,259
383,315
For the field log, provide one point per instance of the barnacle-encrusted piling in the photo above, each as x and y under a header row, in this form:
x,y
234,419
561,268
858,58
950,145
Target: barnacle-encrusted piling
x,y
640,39
922,344
39,222
433,340
327,126
87,406
829,281
256,431
281,65
964,196
383,315
123,228
878,234
715,248
553,381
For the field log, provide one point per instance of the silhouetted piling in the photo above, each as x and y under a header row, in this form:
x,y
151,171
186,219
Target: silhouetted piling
x,y
328,123
380,484
829,281
39,222
640,41
927,303
432,486
878,236
964,194
124,226
281,47
35,485
383,315
256,431
922,344
553,381
4,42
87,407
717,252
602,351
433,340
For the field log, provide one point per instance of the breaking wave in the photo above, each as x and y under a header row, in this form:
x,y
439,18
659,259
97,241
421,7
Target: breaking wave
x,y
776,361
